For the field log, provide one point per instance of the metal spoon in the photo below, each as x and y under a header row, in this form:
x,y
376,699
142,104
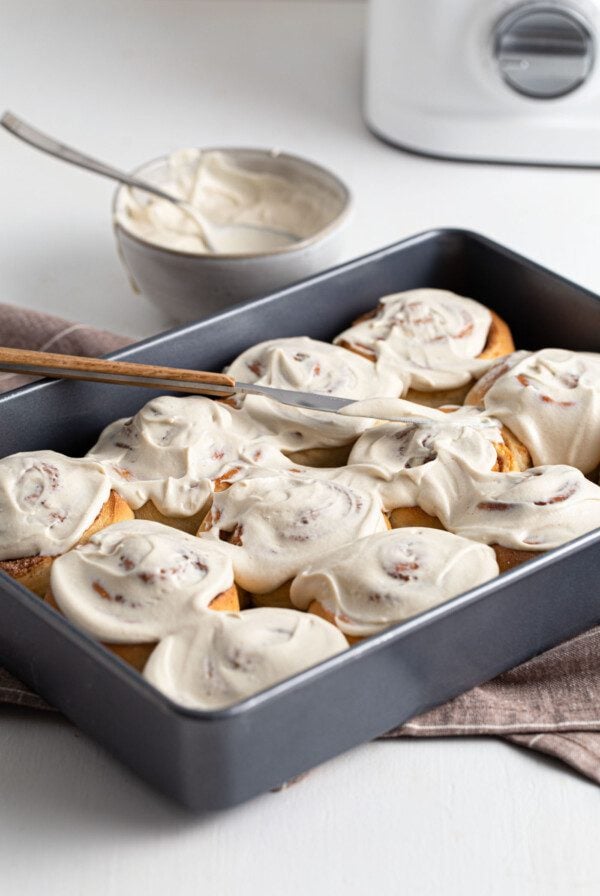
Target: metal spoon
x,y
53,147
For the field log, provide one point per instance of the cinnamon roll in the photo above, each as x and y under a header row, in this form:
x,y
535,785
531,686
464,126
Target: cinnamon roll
x,y
274,525
309,437
166,459
399,457
519,514
435,340
48,504
399,574
136,582
551,400
225,657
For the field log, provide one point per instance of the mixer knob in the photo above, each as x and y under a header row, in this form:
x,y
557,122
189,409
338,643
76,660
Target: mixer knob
x,y
543,51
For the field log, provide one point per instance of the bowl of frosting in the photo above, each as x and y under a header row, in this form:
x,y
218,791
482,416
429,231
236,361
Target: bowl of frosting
x,y
274,219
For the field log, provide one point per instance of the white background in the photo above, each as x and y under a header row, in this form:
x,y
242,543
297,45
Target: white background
x,y
129,81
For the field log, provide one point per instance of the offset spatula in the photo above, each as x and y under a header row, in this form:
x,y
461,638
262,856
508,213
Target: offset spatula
x,y
126,373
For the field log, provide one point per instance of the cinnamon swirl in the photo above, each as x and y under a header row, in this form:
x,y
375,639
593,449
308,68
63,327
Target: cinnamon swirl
x,y
225,657
48,504
434,339
399,574
274,525
136,582
308,437
551,400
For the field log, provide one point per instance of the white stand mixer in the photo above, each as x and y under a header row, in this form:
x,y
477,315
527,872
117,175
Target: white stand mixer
x,y
486,80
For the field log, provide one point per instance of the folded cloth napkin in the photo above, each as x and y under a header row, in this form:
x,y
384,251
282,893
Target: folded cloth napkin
x,y
550,704
22,328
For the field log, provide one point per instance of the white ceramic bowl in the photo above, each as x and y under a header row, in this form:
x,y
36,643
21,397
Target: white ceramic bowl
x,y
187,286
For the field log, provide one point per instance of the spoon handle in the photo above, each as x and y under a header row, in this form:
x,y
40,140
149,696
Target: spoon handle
x,y
122,373
53,147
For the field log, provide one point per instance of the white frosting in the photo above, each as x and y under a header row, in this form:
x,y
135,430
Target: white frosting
x,y
278,523
445,466
172,451
431,337
538,509
386,578
551,401
309,366
399,457
137,581
227,195
226,657
386,409
47,501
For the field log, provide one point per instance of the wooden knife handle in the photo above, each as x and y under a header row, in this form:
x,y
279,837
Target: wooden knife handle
x,y
17,360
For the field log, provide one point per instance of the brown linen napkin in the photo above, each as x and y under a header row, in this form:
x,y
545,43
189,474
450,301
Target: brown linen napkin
x,y
550,704
22,328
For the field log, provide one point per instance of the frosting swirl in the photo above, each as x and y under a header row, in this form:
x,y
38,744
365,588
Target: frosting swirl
x,y
174,449
275,524
399,574
431,337
138,581
551,400
536,510
309,366
226,657
227,194
47,501
399,457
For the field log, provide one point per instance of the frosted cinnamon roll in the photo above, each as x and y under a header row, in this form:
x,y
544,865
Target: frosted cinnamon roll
x,y
136,582
274,525
308,437
225,657
399,457
519,514
398,574
435,340
48,504
551,400
167,459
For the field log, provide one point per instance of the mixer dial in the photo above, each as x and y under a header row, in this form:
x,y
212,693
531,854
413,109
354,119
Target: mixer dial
x,y
543,51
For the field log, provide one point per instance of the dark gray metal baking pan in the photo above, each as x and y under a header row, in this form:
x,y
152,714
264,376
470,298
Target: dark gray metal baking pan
x,y
209,760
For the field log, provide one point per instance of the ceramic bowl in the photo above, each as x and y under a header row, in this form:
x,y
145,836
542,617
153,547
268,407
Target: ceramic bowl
x,y
188,286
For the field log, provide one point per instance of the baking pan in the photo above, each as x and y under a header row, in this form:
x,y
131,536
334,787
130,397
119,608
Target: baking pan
x,y
209,760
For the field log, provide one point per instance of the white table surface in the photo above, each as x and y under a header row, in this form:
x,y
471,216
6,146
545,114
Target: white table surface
x,y
128,81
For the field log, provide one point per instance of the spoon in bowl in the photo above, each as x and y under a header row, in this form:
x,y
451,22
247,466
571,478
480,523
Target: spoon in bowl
x,y
210,232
